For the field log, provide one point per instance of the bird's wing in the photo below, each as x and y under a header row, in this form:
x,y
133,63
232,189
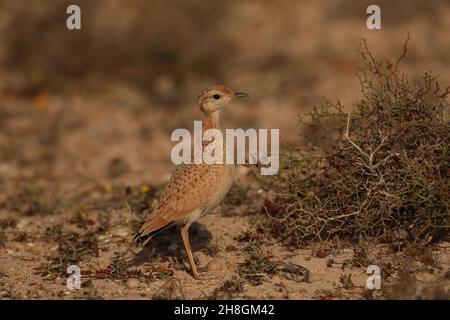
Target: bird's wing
x,y
157,222
186,192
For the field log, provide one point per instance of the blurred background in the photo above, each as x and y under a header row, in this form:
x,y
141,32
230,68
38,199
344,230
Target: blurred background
x,y
99,104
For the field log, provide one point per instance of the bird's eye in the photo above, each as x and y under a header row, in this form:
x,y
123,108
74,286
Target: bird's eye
x,y
216,96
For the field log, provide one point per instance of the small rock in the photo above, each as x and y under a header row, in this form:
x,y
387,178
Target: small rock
x,y
122,233
214,266
426,277
132,283
22,224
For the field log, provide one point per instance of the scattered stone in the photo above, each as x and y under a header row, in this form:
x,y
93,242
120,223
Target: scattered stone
x,y
214,266
132,283
122,233
426,277
22,224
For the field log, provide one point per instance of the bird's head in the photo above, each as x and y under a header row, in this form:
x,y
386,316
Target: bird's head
x,y
215,98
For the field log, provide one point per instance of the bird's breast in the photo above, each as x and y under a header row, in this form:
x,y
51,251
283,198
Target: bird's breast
x,y
222,186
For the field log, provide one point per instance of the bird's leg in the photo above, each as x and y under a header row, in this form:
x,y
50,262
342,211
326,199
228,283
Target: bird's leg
x,y
187,247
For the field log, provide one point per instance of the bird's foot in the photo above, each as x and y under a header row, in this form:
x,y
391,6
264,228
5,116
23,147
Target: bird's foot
x,y
204,275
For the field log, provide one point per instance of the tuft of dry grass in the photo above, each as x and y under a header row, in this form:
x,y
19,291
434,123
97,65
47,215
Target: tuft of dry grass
x,y
229,289
381,172
72,249
256,265
33,200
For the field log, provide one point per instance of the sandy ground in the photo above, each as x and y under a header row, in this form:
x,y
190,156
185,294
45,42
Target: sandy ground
x,y
218,246
218,242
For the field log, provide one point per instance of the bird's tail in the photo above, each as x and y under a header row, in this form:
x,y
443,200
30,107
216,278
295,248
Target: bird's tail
x,y
151,227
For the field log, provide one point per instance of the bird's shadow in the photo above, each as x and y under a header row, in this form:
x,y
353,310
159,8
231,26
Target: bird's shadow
x,y
168,243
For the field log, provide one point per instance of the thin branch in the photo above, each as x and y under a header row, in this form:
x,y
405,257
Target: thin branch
x,y
346,135
405,44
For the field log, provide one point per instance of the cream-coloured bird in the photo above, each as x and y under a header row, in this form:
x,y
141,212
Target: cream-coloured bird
x,y
194,189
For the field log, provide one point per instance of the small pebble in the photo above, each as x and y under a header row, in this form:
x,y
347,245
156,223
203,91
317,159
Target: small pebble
x,y
426,277
122,233
132,283
22,224
214,266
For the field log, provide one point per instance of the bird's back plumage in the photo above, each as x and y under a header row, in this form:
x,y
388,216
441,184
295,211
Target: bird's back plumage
x,y
193,190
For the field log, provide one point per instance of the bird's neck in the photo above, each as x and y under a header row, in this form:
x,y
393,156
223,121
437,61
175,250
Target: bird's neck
x,y
211,121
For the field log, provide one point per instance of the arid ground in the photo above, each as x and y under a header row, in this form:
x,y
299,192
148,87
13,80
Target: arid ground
x,y
85,145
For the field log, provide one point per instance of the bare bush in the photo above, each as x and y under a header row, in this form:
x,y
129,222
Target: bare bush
x,y
381,172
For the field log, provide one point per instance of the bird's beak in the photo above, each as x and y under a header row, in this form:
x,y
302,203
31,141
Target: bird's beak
x,y
240,95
